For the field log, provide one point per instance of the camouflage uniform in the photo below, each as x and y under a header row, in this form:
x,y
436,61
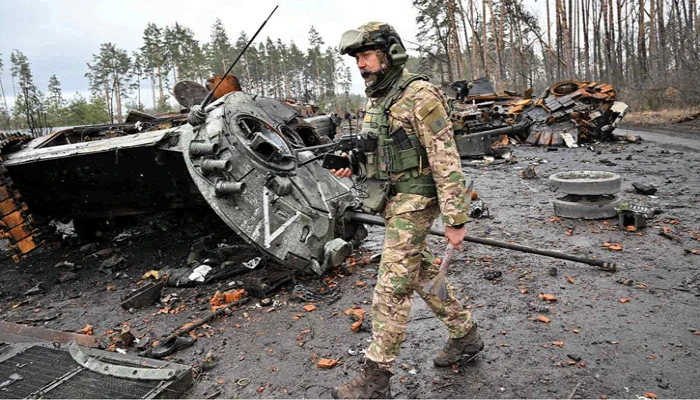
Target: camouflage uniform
x,y
406,266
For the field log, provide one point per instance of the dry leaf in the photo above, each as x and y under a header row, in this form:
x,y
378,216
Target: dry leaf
x,y
360,283
357,324
221,381
261,389
555,219
151,274
623,301
650,395
606,244
631,228
560,344
309,308
87,330
542,318
327,363
548,297
570,280
233,295
615,247
695,251
575,331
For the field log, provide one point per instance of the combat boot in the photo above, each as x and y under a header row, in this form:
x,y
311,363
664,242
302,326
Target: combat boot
x,y
461,349
373,383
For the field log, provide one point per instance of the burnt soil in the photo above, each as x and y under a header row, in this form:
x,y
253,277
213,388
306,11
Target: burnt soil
x,y
620,335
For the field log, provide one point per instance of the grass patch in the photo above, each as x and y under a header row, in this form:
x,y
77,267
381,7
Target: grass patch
x,y
658,117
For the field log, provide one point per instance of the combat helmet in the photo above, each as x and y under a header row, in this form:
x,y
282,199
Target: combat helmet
x,y
374,35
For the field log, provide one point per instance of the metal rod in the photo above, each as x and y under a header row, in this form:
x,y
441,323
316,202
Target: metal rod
x,y
605,266
207,99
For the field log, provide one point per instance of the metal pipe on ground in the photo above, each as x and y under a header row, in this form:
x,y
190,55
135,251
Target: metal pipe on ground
x,y
603,265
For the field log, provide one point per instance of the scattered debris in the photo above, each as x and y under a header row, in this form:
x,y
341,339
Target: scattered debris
x,y
171,346
358,315
144,296
529,172
643,188
632,215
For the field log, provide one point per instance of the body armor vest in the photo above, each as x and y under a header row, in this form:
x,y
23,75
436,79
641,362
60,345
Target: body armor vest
x,y
396,158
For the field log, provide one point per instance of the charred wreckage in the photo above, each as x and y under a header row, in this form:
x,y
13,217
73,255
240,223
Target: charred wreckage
x,y
568,113
254,160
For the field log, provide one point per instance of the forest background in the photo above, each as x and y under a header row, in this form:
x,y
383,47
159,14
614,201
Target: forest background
x,y
648,49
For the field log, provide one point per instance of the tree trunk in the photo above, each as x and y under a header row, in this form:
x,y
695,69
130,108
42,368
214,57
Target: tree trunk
x,y
161,99
485,40
652,39
153,90
641,42
456,53
466,41
118,95
618,47
499,83
474,36
586,44
663,61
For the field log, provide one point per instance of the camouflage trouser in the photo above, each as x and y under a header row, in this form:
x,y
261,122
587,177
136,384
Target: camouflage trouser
x,y
403,270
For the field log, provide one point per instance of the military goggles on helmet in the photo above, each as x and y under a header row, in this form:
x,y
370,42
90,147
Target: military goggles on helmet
x,y
354,41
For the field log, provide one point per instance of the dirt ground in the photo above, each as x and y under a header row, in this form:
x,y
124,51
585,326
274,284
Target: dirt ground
x,y
617,335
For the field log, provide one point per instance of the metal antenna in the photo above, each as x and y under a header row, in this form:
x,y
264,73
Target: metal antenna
x,y
207,99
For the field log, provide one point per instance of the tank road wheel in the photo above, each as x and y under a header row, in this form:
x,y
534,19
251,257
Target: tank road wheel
x,y
586,207
589,183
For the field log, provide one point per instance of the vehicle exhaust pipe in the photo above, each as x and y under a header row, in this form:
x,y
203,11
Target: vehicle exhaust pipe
x,y
203,149
211,166
223,188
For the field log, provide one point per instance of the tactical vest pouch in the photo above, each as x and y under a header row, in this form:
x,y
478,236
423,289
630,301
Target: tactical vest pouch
x,y
371,165
378,194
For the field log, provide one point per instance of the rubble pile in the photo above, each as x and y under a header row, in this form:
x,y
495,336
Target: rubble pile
x,y
568,113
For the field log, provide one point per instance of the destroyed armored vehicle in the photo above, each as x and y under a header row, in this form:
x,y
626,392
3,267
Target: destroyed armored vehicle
x,y
243,161
567,113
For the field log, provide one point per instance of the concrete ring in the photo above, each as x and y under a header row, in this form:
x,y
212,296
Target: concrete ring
x,y
586,182
586,207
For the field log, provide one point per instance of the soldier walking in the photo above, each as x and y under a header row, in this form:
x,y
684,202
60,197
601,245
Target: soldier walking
x,y
413,172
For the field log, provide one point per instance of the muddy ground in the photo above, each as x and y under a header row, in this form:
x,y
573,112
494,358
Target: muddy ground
x,y
616,335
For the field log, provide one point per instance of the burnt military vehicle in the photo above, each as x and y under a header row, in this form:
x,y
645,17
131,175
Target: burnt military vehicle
x,y
243,160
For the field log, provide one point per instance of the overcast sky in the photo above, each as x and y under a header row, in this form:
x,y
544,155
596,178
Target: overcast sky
x,y
60,36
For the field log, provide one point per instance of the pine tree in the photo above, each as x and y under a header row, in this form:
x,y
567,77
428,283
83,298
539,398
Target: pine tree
x,y
111,72
4,109
153,50
220,49
29,104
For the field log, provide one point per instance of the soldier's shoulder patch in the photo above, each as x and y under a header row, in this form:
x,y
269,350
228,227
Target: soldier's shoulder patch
x,y
426,108
437,124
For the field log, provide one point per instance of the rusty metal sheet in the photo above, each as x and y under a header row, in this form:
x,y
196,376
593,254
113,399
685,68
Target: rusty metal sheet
x,y
99,146
24,246
27,333
4,193
13,219
20,231
8,206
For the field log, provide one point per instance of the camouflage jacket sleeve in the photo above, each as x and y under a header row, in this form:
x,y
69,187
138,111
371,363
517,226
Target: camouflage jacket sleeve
x,y
431,123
